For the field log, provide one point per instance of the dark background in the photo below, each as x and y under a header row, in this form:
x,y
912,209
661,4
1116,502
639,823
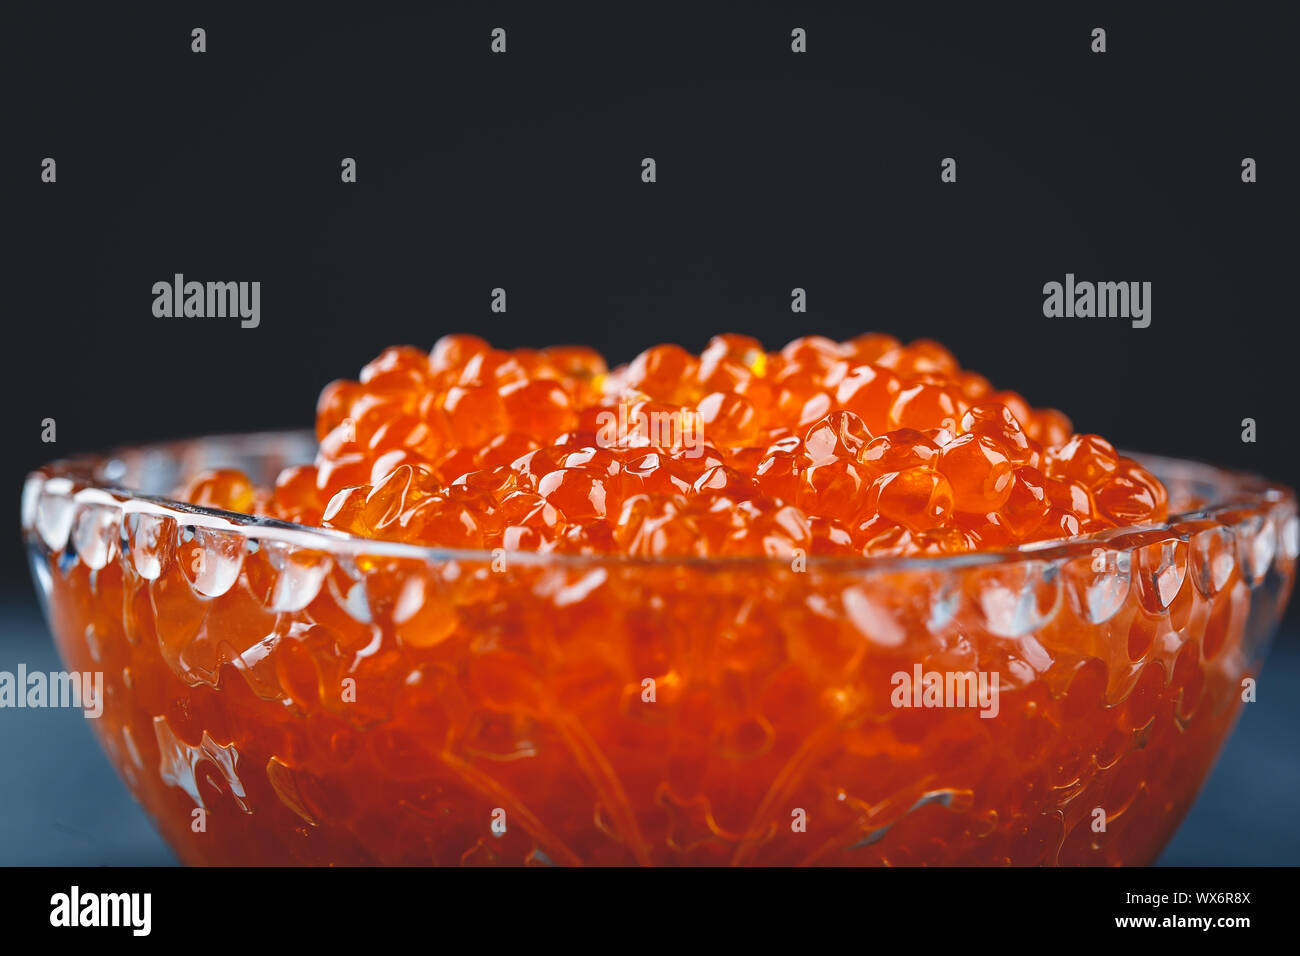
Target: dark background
x,y
775,170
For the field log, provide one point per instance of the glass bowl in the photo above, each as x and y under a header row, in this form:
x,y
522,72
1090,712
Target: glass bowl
x,y
276,694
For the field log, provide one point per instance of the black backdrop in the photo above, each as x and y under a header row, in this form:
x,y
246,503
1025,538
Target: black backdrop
x,y
522,171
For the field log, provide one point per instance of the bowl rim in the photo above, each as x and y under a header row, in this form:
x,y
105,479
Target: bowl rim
x,y
79,478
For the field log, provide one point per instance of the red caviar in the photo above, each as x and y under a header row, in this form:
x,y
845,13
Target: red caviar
x,y
890,448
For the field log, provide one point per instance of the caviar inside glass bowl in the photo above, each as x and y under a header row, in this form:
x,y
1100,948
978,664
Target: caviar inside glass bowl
x,y
282,694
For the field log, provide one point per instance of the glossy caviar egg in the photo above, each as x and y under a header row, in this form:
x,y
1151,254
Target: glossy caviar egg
x,y
917,498
577,493
838,435
1027,504
923,406
868,391
779,475
979,471
898,451
452,353
538,407
1086,459
730,418
475,414
400,368
224,488
665,373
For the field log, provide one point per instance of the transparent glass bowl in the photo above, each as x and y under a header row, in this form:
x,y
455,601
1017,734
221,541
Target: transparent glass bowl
x,y
279,694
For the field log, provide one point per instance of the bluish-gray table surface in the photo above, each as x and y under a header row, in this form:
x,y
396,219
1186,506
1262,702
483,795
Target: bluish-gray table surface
x,y
62,804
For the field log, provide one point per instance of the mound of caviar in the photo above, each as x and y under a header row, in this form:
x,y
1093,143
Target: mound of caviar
x,y
864,447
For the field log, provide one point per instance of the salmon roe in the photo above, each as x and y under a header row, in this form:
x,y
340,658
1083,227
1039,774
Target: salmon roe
x,y
864,447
